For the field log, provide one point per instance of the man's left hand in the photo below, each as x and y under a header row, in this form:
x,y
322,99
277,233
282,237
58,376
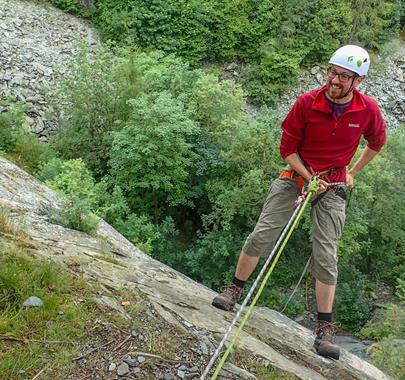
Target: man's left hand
x,y
349,180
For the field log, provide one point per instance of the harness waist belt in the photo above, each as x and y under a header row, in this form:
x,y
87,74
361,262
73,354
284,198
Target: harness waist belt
x,y
292,174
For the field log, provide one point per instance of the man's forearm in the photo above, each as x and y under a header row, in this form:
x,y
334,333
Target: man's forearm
x,y
296,163
365,157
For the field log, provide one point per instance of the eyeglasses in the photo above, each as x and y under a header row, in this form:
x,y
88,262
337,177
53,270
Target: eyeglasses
x,y
343,77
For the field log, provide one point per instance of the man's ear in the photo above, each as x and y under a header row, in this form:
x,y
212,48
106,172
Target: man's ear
x,y
361,79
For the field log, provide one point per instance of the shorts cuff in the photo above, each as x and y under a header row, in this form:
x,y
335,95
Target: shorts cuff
x,y
324,277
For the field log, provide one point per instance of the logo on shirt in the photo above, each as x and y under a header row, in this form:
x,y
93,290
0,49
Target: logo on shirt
x,y
354,125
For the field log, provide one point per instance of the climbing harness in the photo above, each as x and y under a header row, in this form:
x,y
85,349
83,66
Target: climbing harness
x,y
292,174
301,204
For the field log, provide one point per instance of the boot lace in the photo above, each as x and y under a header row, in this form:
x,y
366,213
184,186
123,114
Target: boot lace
x,y
232,291
326,331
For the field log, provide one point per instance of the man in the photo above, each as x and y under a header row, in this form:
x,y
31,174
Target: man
x,y
321,134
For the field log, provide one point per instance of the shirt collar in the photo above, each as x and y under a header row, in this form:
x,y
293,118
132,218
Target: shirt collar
x,y
320,103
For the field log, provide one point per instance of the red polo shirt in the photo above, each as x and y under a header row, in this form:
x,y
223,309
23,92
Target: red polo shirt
x,y
324,142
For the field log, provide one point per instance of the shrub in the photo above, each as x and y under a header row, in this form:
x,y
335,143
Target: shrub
x,y
389,355
353,306
266,81
75,214
20,146
12,117
76,184
387,322
376,213
74,180
110,203
276,300
213,258
50,169
72,6
90,101
29,152
387,326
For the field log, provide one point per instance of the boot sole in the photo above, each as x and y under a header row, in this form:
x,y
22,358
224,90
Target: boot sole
x,y
221,306
326,354
330,355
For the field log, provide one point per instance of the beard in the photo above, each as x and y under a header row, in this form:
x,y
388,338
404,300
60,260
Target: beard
x,y
334,91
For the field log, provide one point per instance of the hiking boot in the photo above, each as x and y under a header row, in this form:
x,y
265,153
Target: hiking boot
x,y
325,340
228,298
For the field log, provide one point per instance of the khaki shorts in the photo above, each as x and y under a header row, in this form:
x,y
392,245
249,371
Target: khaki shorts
x,y
327,216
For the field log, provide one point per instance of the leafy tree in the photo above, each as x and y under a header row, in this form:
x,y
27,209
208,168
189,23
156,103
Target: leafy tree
x,y
328,29
374,22
151,156
381,249
238,189
91,100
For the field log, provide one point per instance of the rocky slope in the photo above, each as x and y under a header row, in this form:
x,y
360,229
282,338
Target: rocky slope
x,y
34,39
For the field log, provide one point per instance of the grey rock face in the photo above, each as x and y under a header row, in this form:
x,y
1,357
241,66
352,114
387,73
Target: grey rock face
x,y
34,39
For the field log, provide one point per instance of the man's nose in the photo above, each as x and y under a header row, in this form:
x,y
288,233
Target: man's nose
x,y
336,79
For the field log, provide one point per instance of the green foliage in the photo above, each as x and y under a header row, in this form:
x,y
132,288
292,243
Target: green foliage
x,y
72,6
111,204
375,22
141,231
400,289
29,152
386,322
74,180
194,30
328,29
377,237
91,100
388,327
151,156
276,72
238,189
217,107
76,184
12,118
20,146
276,299
353,306
273,37
50,169
213,258
77,215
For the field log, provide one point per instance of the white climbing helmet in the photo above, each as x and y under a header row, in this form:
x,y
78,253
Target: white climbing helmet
x,y
353,58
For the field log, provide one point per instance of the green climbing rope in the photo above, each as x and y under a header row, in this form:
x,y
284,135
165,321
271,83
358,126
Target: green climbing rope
x,y
312,190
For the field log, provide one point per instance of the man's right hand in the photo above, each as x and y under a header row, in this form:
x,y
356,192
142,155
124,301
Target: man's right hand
x,y
323,186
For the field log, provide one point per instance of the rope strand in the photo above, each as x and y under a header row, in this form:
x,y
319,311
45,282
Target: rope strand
x,y
287,231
